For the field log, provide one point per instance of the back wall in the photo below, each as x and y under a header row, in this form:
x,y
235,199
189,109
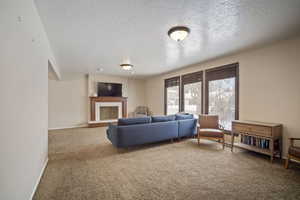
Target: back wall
x,y
69,97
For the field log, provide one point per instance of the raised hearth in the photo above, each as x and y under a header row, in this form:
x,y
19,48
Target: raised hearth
x,y
105,110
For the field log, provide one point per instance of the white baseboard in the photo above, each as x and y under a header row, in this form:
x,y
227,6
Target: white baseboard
x,y
39,178
68,127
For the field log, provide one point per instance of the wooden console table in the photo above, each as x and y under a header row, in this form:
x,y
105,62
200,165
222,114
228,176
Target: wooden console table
x,y
265,138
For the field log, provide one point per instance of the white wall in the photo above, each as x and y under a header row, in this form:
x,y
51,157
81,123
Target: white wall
x,y
269,85
24,54
136,95
68,102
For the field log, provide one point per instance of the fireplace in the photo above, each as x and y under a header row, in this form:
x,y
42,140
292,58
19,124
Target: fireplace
x,y
109,113
106,110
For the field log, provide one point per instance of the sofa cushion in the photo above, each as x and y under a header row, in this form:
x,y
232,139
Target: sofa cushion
x,y
183,116
163,118
132,121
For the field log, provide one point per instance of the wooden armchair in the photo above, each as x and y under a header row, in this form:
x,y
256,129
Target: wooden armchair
x,y
294,152
142,111
209,128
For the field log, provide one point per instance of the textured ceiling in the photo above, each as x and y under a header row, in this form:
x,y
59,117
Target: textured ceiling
x,y
90,34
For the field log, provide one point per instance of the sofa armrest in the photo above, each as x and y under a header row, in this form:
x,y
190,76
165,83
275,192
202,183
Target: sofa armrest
x,y
112,134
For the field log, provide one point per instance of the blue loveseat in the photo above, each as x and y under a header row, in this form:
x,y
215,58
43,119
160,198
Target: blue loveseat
x,y
135,131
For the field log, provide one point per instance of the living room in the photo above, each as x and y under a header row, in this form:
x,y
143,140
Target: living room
x,y
150,99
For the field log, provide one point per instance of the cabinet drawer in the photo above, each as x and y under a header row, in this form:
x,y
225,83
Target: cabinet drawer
x,y
241,128
252,129
261,130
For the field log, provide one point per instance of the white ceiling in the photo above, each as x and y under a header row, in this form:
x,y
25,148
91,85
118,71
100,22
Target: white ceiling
x,y
90,34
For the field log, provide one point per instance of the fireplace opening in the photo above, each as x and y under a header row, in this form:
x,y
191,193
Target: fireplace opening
x,y
109,112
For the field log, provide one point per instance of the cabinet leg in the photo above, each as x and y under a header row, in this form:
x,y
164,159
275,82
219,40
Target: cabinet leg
x,y
280,150
272,150
287,162
223,143
232,141
272,158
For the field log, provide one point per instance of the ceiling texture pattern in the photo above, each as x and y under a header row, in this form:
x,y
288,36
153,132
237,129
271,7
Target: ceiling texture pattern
x,y
90,34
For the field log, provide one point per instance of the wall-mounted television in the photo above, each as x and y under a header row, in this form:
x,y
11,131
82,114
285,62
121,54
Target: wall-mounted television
x,y
109,89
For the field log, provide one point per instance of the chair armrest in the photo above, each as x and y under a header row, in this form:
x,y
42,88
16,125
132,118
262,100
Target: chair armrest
x,y
197,128
221,127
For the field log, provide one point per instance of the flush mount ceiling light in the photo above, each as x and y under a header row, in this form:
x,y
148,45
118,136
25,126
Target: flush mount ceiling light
x,y
126,66
99,70
178,33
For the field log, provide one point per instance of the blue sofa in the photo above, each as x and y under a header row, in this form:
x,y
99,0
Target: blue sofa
x,y
135,131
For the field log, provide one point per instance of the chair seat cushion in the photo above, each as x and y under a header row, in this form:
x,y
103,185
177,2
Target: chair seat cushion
x,y
207,132
294,151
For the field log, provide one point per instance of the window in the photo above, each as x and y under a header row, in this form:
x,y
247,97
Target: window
x,y
222,93
172,95
192,93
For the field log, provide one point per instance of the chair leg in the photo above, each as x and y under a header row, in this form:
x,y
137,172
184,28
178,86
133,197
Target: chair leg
x,y
287,162
198,136
223,143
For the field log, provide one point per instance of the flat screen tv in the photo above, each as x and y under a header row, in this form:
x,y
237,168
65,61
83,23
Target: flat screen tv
x,y
109,89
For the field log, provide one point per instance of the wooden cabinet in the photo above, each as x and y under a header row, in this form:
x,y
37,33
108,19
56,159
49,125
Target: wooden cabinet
x,y
260,137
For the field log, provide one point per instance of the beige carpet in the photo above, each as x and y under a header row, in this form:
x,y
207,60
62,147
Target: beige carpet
x,y
84,165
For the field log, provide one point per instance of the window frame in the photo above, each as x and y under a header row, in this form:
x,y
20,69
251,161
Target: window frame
x,y
189,78
219,73
168,83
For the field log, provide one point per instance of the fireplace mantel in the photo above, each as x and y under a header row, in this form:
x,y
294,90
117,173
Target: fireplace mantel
x,y
94,100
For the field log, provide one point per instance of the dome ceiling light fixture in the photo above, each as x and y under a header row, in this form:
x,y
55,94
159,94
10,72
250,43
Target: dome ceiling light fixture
x,y
126,66
178,33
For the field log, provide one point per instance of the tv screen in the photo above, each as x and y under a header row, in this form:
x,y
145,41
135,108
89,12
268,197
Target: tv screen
x,y
109,89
